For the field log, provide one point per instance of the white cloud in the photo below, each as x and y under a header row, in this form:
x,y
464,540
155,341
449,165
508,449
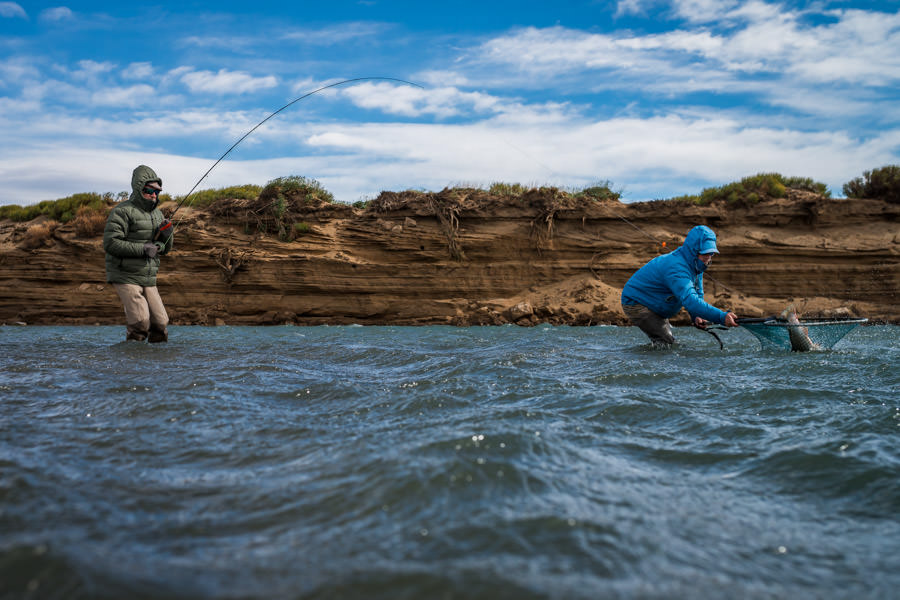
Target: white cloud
x,y
25,124
412,102
703,11
547,50
59,13
17,71
138,70
305,85
225,81
695,11
442,78
631,7
90,69
651,158
336,34
576,106
127,97
11,10
859,48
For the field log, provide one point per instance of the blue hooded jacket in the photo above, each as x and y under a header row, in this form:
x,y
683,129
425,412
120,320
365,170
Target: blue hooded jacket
x,y
673,280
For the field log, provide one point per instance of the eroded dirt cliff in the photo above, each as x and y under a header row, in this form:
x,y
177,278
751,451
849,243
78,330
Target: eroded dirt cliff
x,y
464,257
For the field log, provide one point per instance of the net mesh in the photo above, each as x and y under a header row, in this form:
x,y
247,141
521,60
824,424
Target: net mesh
x,y
824,333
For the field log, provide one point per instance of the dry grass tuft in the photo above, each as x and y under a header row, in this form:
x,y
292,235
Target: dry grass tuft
x,y
38,235
89,222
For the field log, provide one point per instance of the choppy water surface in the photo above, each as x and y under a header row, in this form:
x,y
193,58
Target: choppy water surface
x,y
438,462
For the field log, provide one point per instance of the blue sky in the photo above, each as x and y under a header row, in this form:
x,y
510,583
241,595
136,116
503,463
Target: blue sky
x,y
660,97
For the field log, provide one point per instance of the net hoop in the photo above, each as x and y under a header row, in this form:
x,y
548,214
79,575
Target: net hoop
x,y
834,321
815,334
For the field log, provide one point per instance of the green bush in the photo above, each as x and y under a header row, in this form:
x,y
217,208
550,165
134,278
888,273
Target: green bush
x,y
807,184
751,190
880,184
301,228
599,191
309,190
62,210
507,189
204,198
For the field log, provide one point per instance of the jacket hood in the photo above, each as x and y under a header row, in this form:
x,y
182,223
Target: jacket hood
x,y
700,237
141,176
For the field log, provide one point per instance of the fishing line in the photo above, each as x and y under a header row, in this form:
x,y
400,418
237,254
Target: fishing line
x,y
258,125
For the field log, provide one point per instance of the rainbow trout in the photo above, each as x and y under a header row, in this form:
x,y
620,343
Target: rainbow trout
x,y
798,334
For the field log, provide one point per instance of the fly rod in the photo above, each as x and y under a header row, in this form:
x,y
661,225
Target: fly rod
x,y
167,228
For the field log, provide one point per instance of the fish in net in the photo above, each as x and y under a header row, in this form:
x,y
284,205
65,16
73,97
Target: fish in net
x,y
788,332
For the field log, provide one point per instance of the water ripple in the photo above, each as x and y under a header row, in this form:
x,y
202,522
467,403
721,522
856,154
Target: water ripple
x,y
496,462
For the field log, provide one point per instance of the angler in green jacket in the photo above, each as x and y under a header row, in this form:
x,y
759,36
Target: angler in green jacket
x,y
136,235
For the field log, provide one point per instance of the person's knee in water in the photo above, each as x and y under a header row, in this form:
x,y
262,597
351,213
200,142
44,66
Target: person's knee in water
x,y
670,282
133,247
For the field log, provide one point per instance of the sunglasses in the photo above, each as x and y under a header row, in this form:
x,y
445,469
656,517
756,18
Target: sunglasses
x,y
150,191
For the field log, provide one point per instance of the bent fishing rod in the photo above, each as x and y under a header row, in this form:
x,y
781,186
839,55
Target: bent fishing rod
x,y
167,228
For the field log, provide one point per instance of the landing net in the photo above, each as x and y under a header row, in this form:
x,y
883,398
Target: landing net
x,y
772,332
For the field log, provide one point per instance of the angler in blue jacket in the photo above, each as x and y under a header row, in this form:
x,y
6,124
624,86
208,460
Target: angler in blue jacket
x,y
668,282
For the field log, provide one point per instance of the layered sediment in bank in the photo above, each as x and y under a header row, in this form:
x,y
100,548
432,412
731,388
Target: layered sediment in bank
x,y
466,257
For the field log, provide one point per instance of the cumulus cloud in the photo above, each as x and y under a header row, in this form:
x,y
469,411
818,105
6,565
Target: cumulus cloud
x,y
854,47
414,102
651,158
17,71
630,7
125,97
138,70
90,69
225,81
442,78
695,11
704,11
763,87
11,10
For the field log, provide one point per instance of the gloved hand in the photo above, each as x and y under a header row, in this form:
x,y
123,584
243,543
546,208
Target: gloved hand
x,y
150,250
164,230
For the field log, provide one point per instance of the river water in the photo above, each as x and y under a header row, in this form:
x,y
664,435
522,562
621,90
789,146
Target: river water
x,y
440,462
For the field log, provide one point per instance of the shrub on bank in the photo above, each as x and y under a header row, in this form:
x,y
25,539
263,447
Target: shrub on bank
x,y
879,184
600,191
62,210
751,190
506,189
204,198
296,187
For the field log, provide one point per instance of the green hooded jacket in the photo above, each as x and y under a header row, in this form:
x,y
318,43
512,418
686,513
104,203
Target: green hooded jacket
x,y
130,225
